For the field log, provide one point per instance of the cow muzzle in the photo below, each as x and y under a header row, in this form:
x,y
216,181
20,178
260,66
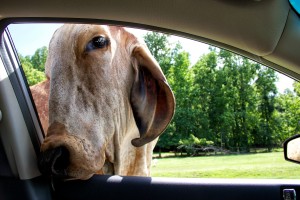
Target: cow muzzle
x,y
68,156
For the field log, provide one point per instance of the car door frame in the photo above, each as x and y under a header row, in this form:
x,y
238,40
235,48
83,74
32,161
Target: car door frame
x,y
31,184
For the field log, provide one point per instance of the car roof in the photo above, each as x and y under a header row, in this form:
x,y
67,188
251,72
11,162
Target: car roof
x,y
264,30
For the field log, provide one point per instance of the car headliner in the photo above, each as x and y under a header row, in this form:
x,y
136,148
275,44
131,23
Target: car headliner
x,y
264,30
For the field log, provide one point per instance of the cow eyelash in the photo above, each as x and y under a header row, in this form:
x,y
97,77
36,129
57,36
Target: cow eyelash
x,y
98,42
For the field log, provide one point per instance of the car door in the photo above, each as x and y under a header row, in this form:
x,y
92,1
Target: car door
x,y
21,136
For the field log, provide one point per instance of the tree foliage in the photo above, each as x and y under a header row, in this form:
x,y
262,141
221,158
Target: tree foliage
x,y
33,75
224,98
38,59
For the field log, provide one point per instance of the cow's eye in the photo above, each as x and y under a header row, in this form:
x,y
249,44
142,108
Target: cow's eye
x,y
98,42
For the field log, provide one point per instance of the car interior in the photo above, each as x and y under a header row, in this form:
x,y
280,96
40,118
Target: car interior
x,y
261,30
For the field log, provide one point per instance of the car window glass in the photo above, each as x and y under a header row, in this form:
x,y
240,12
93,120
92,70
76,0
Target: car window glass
x,y
232,114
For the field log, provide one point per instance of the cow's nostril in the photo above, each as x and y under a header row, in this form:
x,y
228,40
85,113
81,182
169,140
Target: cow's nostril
x,y
61,162
55,162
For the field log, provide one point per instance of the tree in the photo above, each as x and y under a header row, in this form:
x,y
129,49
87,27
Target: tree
x,y
160,48
33,75
38,59
266,92
288,113
203,94
179,78
34,66
236,77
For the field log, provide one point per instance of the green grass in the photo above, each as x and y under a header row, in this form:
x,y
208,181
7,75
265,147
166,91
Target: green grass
x,y
260,165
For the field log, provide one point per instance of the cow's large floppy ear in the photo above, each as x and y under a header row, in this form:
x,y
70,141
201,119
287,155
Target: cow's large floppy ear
x,y
152,100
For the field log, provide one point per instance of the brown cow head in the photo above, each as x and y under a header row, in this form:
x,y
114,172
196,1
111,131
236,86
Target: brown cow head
x,y
108,98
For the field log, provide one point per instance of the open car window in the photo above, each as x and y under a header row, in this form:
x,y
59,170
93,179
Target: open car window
x,y
232,114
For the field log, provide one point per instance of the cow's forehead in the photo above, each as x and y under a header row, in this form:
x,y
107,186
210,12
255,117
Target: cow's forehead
x,y
83,30
75,31
71,39
78,35
70,33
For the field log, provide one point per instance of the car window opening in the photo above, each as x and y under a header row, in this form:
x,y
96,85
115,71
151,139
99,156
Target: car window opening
x,y
232,114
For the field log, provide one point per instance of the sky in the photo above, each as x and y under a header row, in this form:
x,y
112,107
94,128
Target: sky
x,y
29,37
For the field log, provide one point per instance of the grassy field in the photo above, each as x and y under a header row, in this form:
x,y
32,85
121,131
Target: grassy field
x,y
260,165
